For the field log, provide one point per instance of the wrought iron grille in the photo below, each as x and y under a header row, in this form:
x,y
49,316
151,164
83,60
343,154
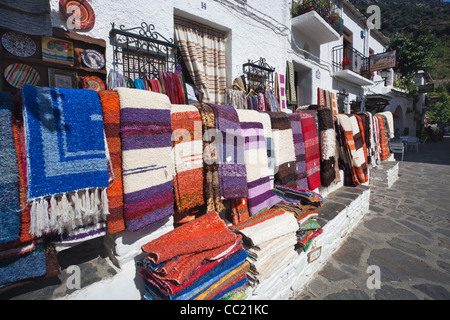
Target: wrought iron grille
x,y
258,74
142,52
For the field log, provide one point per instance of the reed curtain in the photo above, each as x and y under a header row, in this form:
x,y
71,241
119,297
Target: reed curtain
x,y
203,51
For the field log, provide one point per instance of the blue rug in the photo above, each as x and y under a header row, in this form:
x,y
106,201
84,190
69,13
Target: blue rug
x,y
9,175
66,156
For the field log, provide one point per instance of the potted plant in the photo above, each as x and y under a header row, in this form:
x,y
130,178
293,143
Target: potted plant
x,y
366,73
345,63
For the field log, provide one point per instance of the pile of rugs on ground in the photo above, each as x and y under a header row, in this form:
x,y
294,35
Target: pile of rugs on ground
x,y
218,198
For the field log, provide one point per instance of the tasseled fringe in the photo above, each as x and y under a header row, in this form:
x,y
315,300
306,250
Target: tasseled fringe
x,y
66,212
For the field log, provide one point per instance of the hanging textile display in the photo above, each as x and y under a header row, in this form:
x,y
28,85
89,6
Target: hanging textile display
x,y
232,171
146,147
236,98
383,137
66,194
280,90
363,136
9,176
291,93
188,163
334,103
355,166
327,142
210,161
204,55
284,152
312,150
260,194
321,97
299,147
267,127
389,119
111,118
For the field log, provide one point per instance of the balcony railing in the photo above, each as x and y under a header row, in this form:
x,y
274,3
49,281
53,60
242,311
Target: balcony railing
x,y
345,57
324,8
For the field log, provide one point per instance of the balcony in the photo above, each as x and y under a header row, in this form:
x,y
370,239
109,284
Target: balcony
x,y
351,65
317,20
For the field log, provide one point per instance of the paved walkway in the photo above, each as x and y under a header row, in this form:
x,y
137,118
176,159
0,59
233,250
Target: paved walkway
x,y
405,236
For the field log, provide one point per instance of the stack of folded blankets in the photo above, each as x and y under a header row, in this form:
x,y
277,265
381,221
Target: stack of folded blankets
x,y
303,204
199,260
270,239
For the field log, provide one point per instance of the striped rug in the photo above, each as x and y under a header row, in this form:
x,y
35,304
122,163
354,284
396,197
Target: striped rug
x,y
146,149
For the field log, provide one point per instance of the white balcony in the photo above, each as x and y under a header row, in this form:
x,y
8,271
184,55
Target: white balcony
x,y
315,28
353,77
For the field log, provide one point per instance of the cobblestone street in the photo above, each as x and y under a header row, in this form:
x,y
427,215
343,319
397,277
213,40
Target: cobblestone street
x,y
406,234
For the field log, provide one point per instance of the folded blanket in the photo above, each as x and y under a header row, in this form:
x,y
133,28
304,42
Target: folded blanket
x,y
232,173
327,142
344,154
299,147
383,137
312,150
172,290
111,117
210,161
284,152
146,149
187,157
259,254
390,130
260,194
67,163
200,239
363,137
354,148
266,226
10,221
267,126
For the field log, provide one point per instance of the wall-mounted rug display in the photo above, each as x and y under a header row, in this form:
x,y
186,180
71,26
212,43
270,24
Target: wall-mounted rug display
x,y
18,44
62,78
77,12
58,51
18,74
93,59
93,83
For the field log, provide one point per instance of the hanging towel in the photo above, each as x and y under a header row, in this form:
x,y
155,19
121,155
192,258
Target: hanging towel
x,y
67,163
312,150
187,155
299,147
284,152
111,117
383,137
390,130
146,163
260,194
230,152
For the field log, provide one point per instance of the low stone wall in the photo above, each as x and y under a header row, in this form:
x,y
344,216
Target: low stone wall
x,y
385,174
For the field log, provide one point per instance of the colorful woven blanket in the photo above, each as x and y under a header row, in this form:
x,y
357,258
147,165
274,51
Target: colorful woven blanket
x,y
389,119
260,194
267,126
9,181
299,147
291,92
353,153
230,152
187,156
383,137
146,149
203,238
111,118
284,152
327,142
267,225
67,163
312,150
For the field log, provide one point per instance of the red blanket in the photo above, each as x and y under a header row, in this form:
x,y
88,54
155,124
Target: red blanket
x,y
312,150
